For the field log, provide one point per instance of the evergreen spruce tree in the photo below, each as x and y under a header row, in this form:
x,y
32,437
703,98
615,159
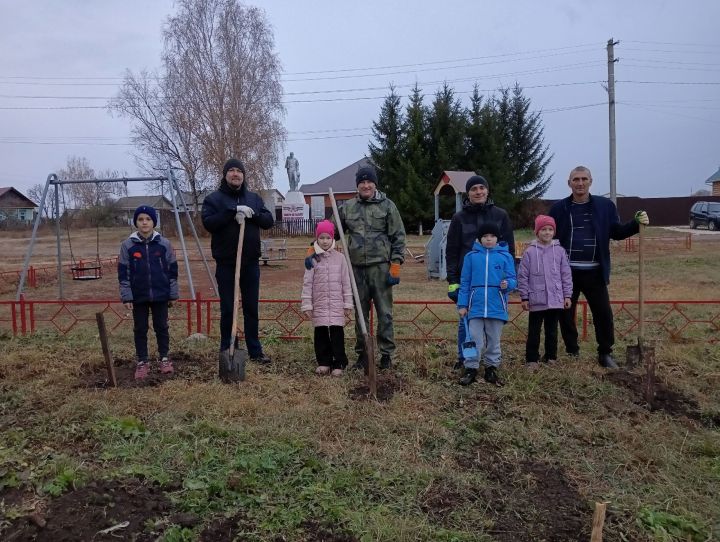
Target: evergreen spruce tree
x,y
526,154
485,148
415,200
386,155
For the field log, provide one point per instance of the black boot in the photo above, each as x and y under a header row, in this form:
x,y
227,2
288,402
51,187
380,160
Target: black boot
x,y
607,361
360,363
385,361
491,375
469,377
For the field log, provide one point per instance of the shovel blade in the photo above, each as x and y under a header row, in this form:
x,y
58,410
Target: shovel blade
x,y
232,366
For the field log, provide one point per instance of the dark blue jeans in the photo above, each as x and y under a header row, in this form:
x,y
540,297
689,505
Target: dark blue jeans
x,y
141,317
249,297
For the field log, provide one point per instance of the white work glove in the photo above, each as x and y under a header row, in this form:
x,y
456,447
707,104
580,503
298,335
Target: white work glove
x,y
243,212
641,217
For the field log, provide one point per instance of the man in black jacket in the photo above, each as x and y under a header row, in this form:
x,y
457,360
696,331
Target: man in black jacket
x,y
585,225
478,209
222,213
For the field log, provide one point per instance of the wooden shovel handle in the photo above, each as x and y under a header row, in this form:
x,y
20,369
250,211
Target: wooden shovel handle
x,y
641,286
236,299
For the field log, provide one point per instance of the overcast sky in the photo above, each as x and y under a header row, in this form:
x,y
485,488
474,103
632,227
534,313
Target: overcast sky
x,y
61,60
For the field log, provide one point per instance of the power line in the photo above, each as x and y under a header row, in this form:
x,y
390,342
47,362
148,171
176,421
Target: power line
x,y
357,89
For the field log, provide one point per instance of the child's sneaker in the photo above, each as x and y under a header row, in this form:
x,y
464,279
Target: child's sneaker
x,y
166,367
141,370
322,370
491,375
337,373
469,377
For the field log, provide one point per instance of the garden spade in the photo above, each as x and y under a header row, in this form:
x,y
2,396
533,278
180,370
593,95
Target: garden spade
x,y
233,360
636,355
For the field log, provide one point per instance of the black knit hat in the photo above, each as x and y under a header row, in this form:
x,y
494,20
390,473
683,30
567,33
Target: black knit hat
x,y
150,211
365,173
233,162
476,179
488,228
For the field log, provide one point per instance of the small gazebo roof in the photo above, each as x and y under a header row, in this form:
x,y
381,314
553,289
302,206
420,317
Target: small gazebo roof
x,y
455,179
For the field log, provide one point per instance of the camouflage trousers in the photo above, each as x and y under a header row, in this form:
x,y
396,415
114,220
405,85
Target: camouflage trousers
x,y
372,286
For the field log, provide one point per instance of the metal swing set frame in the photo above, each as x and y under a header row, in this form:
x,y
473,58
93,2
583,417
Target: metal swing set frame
x,y
83,272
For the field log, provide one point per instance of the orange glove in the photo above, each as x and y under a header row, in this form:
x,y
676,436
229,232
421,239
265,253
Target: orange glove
x,y
394,274
310,258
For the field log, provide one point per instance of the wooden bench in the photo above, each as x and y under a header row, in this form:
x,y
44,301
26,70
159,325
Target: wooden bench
x,y
273,250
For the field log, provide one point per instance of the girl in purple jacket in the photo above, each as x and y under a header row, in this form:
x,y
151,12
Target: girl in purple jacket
x,y
327,300
545,286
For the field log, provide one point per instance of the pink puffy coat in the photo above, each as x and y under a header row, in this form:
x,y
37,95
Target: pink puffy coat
x,y
544,276
326,289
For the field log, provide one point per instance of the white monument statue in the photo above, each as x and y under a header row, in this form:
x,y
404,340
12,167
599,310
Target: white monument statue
x,y
293,170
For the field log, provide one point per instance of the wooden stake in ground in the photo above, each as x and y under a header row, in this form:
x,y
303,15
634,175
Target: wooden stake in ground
x,y
100,317
598,522
369,346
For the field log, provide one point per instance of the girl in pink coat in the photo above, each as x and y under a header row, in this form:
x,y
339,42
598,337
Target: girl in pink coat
x,y
327,300
545,286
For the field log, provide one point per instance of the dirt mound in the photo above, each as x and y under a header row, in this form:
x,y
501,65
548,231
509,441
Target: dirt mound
x,y
527,501
83,514
671,401
387,385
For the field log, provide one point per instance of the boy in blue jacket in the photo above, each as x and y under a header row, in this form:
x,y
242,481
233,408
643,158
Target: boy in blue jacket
x,y
148,272
488,275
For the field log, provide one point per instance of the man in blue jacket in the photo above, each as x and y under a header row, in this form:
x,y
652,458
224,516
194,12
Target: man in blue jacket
x,y
585,225
222,213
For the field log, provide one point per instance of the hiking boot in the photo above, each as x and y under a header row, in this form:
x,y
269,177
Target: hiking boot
x,y
262,359
141,370
491,375
385,361
166,366
469,377
607,361
360,363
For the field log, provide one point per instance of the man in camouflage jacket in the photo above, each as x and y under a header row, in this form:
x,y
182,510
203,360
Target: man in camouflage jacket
x,y
376,245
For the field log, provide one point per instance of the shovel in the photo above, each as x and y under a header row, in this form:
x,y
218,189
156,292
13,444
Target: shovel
x,y
636,355
233,360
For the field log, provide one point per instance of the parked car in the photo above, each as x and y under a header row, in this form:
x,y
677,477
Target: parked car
x,y
705,213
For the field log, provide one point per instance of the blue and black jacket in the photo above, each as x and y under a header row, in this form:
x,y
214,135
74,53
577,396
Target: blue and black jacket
x,y
606,223
482,271
218,217
147,269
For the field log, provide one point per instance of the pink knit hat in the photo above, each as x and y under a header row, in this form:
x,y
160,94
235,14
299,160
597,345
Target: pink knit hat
x,y
325,227
544,220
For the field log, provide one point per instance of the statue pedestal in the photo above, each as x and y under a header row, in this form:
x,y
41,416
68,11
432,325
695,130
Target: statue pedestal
x,y
294,207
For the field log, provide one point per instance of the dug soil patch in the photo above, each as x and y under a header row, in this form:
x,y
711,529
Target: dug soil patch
x,y
666,399
84,513
186,368
387,385
526,501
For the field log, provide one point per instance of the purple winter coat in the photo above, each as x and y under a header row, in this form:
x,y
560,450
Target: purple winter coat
x,y
326,289
544,276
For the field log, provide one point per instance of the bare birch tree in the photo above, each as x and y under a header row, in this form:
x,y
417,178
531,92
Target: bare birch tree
x,y
218,95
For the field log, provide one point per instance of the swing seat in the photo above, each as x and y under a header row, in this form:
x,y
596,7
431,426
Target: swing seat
x,y
84,271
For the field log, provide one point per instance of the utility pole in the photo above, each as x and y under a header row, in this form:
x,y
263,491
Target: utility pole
x,y
611,112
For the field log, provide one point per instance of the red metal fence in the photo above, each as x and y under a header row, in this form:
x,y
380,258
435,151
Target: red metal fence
x,y
676,321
